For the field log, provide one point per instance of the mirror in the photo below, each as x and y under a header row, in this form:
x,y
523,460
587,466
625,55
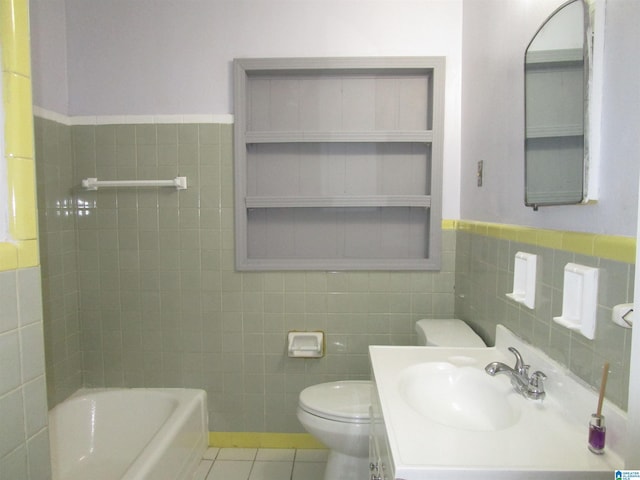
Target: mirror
x,y
556,109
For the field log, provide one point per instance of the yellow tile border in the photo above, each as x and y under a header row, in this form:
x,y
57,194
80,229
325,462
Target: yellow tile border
x,y
14,36
612,247
18,137
263,440
8,256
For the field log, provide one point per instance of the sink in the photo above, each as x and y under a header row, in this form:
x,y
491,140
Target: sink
x,y
437,414
460,397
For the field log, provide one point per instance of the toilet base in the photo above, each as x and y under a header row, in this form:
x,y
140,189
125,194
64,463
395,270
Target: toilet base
x,y
346,467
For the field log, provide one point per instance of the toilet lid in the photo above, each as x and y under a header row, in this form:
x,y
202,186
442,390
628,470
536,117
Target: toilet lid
x,y
451,333
346,401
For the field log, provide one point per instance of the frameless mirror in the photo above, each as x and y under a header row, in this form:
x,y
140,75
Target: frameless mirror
x,y
556,109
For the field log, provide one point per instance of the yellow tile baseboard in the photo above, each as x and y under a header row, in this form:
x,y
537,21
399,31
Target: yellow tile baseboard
x,y
263,440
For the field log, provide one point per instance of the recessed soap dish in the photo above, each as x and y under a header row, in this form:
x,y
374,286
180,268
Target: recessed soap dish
x,y
305,344
524,279
579,299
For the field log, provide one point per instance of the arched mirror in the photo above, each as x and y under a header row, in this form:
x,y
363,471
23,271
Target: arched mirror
x,y
556,109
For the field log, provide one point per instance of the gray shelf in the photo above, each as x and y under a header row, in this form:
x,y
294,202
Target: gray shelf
x,y
418,136
423,201
338,163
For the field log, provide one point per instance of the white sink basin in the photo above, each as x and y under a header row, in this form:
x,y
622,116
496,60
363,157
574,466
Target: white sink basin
x,y
439,415
460,397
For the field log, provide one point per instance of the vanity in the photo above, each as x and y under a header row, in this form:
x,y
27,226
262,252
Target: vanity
x,y
437,415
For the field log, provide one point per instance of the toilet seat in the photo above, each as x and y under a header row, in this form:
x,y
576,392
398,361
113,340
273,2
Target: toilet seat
x,y
344,401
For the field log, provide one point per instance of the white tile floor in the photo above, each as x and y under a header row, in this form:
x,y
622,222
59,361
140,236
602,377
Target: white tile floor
x,y
261,464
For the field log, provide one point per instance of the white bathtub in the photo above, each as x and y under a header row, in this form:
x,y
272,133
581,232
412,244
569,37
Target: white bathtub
x,y
128,434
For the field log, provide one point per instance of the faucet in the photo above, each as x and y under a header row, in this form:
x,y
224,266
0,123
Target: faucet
x,y
528,386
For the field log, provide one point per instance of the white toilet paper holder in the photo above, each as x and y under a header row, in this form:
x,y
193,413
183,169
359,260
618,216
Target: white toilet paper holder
x,y
305,344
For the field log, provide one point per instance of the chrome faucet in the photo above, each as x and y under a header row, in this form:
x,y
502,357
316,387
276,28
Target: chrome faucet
x,y
528,386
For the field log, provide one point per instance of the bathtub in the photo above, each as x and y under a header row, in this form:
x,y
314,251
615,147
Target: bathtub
x,y
128,434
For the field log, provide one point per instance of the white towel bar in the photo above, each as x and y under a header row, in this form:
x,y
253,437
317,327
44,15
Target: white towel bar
x,y
180,183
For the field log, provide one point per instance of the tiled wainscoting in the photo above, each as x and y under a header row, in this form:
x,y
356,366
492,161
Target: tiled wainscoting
x,y
484,274
141,289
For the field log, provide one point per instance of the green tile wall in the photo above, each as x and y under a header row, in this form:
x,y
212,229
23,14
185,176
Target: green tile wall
x,y
484,273
139,285
58,256
161,304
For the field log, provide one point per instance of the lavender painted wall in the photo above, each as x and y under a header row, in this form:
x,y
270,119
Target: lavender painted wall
x,y
170,57
493,119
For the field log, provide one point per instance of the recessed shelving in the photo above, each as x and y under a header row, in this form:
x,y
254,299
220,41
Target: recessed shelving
x,y
338,163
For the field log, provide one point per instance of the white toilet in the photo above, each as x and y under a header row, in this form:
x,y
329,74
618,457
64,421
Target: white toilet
x,y
337,413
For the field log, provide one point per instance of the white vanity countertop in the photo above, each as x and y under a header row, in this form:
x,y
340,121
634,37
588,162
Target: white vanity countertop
x,y
549,439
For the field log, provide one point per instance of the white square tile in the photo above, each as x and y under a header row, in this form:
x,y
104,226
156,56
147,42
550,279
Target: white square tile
x,y
203,470
229,470
308,471
30,297
31,340
8,301
276,454
211,453
237,454
312,455
271,470
12,421
9,361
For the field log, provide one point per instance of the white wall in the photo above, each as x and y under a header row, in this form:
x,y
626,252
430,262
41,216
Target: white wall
x,y
167,57
163,57
493,118
49,54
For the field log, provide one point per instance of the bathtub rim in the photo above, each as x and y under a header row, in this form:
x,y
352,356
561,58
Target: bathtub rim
x,y
190,401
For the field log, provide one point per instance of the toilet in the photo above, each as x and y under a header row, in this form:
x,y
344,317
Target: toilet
x,y
337,413
449,332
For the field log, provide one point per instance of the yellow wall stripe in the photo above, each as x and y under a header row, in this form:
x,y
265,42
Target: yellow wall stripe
x,y
612,247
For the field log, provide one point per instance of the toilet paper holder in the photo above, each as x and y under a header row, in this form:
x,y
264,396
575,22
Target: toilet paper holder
x,y
305,344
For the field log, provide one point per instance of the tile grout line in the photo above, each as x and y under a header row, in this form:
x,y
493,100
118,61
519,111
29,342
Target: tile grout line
x,y
212,460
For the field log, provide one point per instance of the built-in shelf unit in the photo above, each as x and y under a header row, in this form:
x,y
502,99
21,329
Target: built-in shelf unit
x,y
338,163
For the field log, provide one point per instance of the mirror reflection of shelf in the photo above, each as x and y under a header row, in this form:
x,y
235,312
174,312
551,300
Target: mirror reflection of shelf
x,y
551,131
553,57
563,83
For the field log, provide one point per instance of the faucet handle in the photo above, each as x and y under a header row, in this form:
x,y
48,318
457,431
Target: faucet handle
x,y
536,384
537,377
519,362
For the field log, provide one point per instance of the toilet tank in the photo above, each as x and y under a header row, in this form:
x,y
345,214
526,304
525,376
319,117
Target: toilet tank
x,y
449,332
